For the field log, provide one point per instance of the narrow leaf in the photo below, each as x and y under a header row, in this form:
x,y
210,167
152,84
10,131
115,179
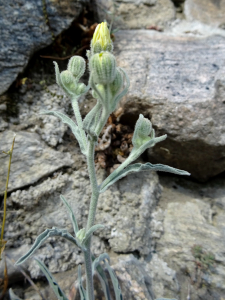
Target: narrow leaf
x,y
53,283
97,260
65,119
71,214
115,282
13,296
83,294
90,231
142,167
46,234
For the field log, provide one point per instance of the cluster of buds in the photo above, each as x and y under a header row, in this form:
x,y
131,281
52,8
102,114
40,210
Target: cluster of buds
x,y
106,79
68,80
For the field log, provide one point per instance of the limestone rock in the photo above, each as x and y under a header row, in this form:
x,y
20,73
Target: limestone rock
x,y
24,30
193,216
135,14
179,83
31,161
209,12
124,209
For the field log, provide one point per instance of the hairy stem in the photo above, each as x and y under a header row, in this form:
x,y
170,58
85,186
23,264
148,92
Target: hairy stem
x,y
91,217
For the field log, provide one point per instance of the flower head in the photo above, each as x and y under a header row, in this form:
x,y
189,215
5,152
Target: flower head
x,y
101,39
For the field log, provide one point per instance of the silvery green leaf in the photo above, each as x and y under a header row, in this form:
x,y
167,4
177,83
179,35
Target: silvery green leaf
x,y
13,296
53,283
97,260
102,278
65,119
83,294
89,120
115,282
90,231
46,234
142,167
71,214
123,93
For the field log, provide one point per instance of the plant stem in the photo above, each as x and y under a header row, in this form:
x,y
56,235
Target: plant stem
x,y
91,217
6,188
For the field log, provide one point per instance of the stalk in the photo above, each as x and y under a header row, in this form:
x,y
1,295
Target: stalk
x,y
91,217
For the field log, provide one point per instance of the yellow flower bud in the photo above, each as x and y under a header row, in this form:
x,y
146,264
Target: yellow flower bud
x,y
101,39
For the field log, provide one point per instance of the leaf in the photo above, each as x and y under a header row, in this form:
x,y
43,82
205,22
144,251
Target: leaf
x,y
142,167
83,294
71,214
97,260
165,299
13,296
115,282
46,234
53,283
65,119
103,279
90,231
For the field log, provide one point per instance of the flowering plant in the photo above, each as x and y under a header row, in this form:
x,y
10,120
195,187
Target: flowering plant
x,y
109,84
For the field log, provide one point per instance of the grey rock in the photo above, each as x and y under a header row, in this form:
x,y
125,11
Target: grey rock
x,y
193,215
24,31
124,209
31,161
208,12
179,83
137,14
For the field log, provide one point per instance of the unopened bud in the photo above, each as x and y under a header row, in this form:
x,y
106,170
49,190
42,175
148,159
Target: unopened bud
x,y
101,39
142,130
76,66
68,82
81,88
103,67
117,83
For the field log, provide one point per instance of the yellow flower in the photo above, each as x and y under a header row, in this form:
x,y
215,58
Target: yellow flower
x,y
102,37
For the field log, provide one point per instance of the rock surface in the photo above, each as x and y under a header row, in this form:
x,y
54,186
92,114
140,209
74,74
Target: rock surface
x,y
209,12
32,160
179,83
138,14
24,31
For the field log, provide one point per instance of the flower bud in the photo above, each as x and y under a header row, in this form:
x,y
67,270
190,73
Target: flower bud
x,y
103,67
81,88
68,81
117,83
101,39
76,66
142,130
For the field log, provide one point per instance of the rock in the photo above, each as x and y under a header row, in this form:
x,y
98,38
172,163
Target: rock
x,y
135,14
193,215
25,29
208,12
124,209
179,83
31,161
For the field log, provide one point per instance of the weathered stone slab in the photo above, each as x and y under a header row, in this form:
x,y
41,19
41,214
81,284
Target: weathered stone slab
x,y
137,14
31,160
179,83
211,12
24,30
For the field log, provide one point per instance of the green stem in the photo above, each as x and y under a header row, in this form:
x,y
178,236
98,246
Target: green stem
x,y
88,271
91,217
76,110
